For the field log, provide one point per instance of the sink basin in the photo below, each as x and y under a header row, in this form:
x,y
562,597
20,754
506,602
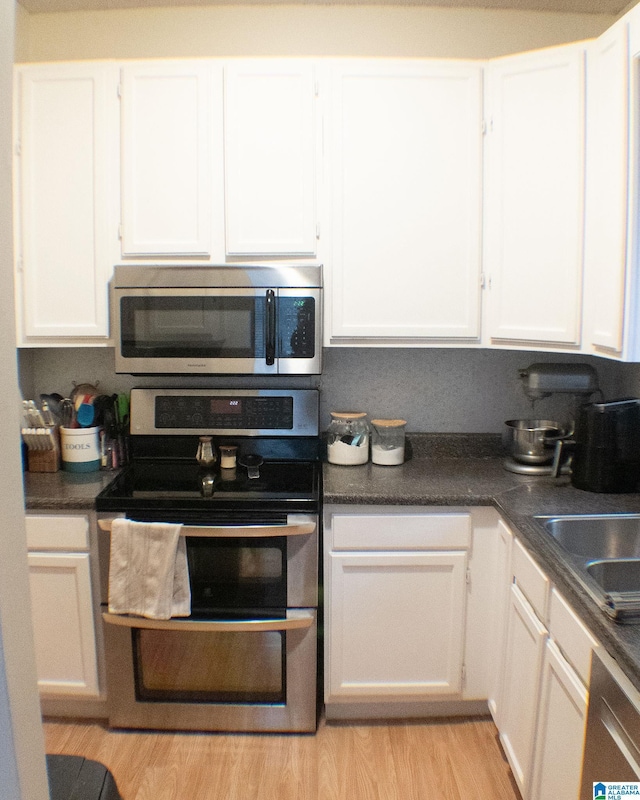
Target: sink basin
x,y
597,536
616,576
604,554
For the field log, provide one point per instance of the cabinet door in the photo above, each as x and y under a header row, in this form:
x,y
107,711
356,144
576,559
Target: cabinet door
x,y
535,197
526,637
406,154
63,623
560,730
64,122
607,186
269,154
501,599
396,625
167,144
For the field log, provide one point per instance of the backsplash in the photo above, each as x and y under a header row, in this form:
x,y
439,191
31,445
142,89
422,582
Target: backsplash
x,y
435,390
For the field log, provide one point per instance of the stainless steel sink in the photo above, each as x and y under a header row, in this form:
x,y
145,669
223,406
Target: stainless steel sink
x,y
604,553
597,536
616,575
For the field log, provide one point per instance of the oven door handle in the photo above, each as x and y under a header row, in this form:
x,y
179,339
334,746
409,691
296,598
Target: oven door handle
x,y
296,618
297,526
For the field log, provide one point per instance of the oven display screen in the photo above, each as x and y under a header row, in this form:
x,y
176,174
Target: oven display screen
x,y
224,412
226,405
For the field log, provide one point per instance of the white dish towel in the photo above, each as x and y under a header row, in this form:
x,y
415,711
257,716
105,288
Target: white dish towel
x,y
148,571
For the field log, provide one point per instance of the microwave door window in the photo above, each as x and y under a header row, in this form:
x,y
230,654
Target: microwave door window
x,y
193,326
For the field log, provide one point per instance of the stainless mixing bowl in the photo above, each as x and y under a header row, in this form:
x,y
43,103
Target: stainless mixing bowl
x,y
532,441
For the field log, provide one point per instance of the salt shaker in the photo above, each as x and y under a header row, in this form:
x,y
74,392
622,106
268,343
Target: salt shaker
x,y
228,456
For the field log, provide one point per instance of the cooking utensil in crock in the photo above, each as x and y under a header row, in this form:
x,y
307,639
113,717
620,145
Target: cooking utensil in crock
x,y
82,391
54,401
533,441
85,415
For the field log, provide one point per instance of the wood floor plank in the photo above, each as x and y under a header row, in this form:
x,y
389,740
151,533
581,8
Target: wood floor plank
x,y
440,759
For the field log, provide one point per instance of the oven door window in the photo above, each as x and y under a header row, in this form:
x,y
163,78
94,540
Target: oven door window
x,y
237,577
196,325
210,667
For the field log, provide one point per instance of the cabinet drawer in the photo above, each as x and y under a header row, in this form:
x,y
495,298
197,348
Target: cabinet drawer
x,y
401,531
57,532
571,636
532,581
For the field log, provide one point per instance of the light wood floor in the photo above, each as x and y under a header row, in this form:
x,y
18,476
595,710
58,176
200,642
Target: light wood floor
x,y
438,760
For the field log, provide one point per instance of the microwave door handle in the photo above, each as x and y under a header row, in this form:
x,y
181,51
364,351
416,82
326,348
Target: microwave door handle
x,y
271,327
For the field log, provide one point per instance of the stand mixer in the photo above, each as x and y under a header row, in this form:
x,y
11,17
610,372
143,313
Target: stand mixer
x,y
534,443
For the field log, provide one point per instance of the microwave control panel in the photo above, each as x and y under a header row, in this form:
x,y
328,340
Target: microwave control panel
x,y
296,327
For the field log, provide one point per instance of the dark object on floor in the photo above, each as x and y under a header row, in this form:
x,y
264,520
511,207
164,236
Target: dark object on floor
x,y
78,778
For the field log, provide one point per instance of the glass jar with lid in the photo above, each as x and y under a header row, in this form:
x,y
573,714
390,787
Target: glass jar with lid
x,y
348,438
387,441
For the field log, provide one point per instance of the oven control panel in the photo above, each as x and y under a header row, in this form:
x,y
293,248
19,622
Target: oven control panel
x,y
230,412
224,412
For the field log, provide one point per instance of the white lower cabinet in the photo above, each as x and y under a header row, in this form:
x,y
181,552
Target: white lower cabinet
x,y
500,602
62,605
560,731
562,711
542,700
395,599
396,623
526,637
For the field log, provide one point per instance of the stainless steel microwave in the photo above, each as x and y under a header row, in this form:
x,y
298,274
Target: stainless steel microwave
x,y
207,320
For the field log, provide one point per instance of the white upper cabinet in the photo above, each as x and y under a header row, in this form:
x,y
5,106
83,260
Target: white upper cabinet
x,y
611,307
167,145
377,167
534,221
406,164
270,158
607,196
65,122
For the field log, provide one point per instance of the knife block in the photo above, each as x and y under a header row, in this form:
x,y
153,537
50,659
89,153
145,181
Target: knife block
x,y
45,460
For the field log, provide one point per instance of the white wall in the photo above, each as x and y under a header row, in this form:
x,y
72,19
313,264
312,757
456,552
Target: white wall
x,y
288,30
22,766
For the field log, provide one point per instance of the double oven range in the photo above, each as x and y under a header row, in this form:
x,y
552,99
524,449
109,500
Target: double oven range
x,y
246,658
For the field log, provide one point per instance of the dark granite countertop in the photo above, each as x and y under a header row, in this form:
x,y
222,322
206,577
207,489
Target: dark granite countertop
x,y
64,491
441,476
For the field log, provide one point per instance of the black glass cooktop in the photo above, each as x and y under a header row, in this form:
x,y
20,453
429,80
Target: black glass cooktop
x,y
181,484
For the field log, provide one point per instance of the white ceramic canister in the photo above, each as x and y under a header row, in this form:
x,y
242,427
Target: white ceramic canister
x,y
387,441
80,449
